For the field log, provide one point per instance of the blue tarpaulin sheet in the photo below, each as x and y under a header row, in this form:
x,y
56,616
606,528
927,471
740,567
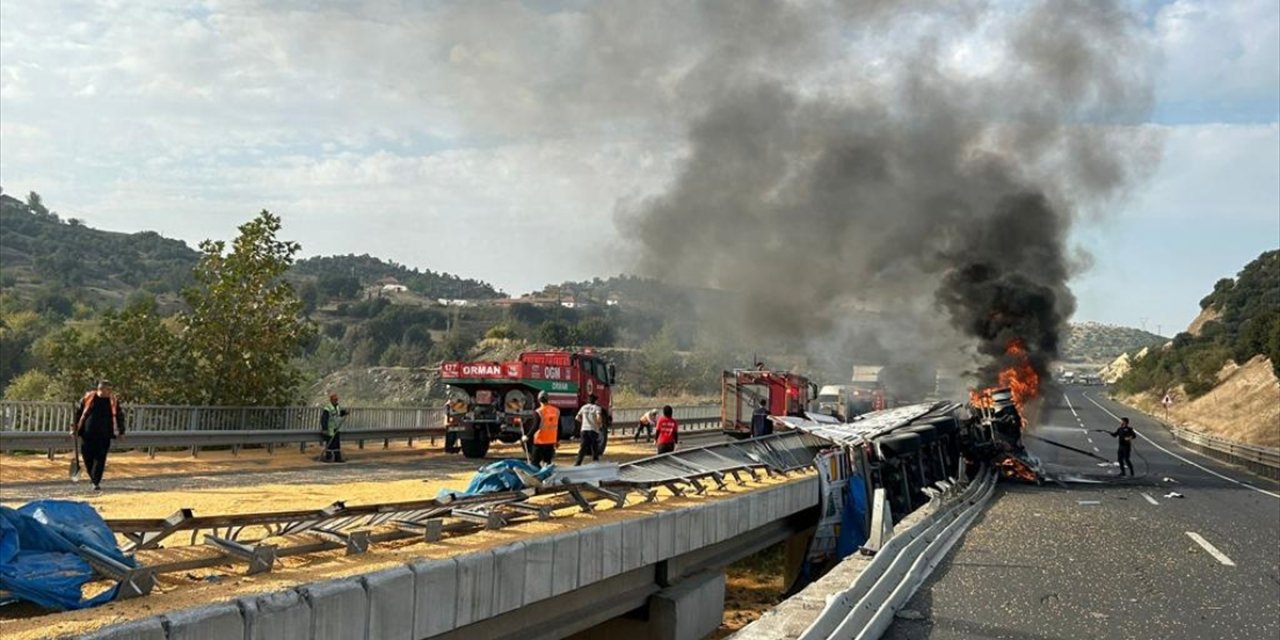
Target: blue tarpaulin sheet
x,y
853,530
500,476
38,559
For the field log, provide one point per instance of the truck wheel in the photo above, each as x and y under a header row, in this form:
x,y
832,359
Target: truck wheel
x,y
476,447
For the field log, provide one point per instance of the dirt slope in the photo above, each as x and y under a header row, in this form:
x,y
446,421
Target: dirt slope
x,y
1245,406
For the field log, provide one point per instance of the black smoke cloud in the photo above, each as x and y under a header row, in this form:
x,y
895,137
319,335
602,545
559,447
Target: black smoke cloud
x,y
933,175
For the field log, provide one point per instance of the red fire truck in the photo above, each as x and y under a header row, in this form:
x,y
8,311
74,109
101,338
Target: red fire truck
x,y
488,400
741,390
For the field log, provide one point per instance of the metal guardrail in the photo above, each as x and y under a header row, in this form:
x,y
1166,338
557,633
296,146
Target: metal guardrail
x,y
1265,460
866,608
45,426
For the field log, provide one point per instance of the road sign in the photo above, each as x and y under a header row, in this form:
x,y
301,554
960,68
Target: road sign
x,y
1168,400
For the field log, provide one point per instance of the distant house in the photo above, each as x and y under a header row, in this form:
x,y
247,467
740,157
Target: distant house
x,y
394,288
612,302
453,302
569,303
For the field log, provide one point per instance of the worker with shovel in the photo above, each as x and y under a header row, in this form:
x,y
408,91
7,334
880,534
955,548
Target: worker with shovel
x,y
98,421
331,418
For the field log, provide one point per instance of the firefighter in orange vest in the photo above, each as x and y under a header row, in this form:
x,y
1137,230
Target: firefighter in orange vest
x,y
547,433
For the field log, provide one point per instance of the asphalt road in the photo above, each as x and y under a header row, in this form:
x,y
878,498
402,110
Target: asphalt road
x,y
1118,559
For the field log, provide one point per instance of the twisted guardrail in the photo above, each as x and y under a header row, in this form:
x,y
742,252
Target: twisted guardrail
x,y
865,609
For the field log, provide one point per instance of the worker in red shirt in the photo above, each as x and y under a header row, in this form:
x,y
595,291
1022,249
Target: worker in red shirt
x,y
668,431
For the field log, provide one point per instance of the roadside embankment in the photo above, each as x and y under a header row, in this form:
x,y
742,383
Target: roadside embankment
x,y
1244,406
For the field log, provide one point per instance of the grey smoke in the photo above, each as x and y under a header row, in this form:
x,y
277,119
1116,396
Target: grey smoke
x,y
936,184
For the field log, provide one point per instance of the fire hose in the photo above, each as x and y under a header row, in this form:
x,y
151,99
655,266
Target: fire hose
x,y
1145,464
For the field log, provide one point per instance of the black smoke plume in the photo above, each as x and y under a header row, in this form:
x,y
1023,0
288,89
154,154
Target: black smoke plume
x,y
931,174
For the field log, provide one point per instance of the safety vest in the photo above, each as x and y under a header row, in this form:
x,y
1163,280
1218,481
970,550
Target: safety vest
x,y
335,418
549,429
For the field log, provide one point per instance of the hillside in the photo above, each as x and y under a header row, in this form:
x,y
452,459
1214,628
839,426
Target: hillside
x,y
369,270
40,250
1094,342
1223,372
1243,406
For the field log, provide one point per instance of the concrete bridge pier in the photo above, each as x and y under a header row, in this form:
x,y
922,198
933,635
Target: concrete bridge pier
x,y
689,610
688,603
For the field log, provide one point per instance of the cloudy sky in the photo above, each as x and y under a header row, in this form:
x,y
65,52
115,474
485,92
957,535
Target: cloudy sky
x,y
458,136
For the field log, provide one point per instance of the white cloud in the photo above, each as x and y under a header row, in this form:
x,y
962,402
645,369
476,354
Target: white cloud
x,y
1220,51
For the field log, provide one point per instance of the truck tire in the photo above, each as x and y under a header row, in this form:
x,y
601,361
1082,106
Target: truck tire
x,y
476,447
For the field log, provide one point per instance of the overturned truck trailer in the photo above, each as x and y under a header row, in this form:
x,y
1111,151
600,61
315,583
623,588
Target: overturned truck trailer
x,y
908,450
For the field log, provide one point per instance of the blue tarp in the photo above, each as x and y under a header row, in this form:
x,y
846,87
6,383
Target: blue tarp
x,y
38,559
500,476
853,533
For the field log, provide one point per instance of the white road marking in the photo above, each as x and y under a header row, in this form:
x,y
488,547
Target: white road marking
x,y
1213,551
1095,448
1150,499
1209,471
1070,406
1087,503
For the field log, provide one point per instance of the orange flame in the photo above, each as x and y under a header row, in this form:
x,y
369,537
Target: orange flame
x,y
1020,377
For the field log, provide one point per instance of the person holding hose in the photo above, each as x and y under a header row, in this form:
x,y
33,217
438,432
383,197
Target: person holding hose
x,y
1126,435
98,421
331,418
668,431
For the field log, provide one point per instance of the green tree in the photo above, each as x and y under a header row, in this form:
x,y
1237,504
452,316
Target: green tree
x,y
595,332
245,323
134,348
556,333
36,385
661,366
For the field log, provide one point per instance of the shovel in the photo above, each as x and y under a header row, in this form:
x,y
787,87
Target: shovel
x,y
74,471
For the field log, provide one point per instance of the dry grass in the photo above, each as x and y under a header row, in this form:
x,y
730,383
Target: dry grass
x,y
1245,406
753,586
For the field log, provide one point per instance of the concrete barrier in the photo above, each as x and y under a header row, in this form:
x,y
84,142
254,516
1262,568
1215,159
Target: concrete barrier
x,y
640,556
391,604
150,629
475,587
211,622
435,596
283,615
510,566
339,609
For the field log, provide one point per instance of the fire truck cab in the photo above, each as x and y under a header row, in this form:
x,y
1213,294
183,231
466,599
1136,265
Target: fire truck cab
x,y
741,390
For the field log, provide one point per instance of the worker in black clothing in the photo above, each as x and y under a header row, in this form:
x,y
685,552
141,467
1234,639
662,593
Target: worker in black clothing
x,y
1126,435
98,421
761,425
